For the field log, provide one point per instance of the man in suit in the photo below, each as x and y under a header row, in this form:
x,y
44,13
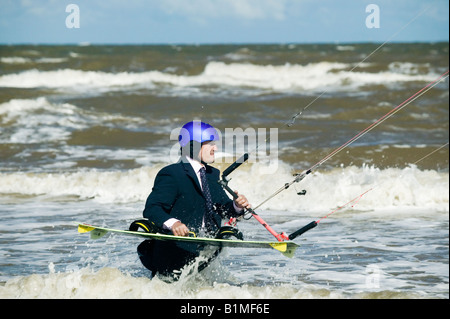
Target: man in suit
x,y
187,198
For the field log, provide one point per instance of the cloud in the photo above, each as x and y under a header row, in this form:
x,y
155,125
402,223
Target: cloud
x,y
39,8
198,21
203,10
258,9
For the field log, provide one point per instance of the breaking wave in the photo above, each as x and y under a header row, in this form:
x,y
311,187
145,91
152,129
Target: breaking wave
x,y
313,77
388,188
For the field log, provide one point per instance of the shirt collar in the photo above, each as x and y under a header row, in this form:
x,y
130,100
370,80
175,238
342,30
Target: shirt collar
x,y
196,165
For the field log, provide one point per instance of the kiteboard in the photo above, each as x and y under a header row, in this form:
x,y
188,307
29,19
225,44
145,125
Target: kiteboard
x,y
286,248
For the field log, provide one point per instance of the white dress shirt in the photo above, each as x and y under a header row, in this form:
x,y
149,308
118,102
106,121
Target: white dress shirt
x,y
196,165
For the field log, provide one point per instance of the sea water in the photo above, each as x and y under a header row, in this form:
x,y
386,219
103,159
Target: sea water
x,y
85,129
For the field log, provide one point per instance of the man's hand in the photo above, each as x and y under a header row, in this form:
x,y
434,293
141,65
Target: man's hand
x,y
241,201
180,229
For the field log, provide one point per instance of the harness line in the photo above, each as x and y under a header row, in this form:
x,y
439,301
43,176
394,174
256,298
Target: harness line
x,y
356,199
282,236
415,96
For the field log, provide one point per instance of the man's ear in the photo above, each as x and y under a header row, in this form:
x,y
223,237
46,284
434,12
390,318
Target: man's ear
x,y
192,150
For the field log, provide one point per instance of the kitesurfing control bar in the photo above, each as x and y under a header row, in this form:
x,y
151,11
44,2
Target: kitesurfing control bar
x,y
279,237
302,230
235,165
224,183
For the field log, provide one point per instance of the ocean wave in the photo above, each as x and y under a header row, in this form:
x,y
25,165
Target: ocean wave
x,y
22,60
359,188
330,76
40,120
87,184
15,60
109,282
364,188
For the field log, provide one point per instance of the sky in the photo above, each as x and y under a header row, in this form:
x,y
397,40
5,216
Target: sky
x,y
222,21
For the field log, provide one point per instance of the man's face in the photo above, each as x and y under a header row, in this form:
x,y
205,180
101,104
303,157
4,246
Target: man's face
x,y
207,152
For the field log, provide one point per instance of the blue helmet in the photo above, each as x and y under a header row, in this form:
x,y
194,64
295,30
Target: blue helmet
x,y
197,131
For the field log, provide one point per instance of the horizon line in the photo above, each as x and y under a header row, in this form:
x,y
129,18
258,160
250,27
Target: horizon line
x,y
87,43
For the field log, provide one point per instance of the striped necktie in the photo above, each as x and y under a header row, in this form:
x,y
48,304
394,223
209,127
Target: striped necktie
x,y
208,217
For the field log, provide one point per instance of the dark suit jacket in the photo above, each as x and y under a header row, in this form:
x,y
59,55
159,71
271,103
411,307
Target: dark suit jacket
x,y
177,194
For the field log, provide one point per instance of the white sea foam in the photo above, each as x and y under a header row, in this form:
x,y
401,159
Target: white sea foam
x,y
22,60
15,60
330,76
388,188
109,282
112,283
39,120
111,187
